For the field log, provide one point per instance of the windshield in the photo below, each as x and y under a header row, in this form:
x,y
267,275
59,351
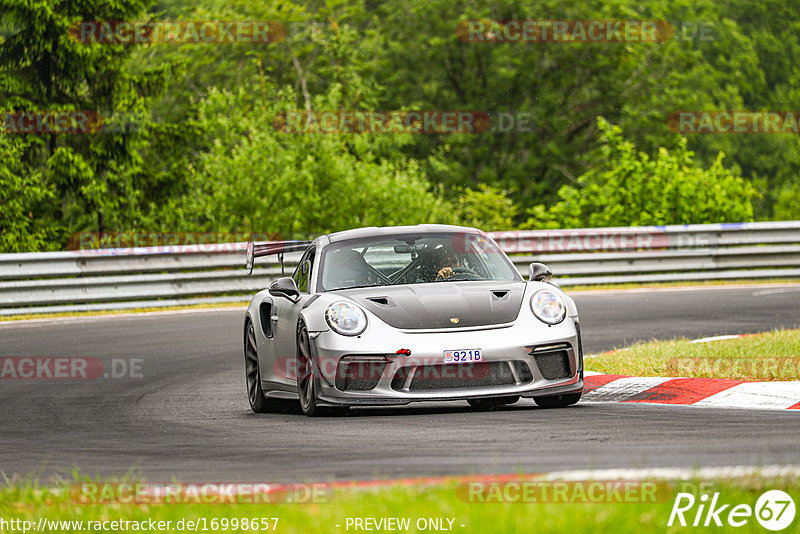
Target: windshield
x,y
413,259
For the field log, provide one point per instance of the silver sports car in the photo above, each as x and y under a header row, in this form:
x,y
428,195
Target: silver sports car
x,y
383,316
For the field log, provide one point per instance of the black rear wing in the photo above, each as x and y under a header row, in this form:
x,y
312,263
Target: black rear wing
x,y
272,248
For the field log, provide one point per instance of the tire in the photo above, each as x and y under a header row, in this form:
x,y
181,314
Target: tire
x,y
255,395
492,402
557,401
259,402
307,379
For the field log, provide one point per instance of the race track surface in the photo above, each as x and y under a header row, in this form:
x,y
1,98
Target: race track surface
x,y
187,416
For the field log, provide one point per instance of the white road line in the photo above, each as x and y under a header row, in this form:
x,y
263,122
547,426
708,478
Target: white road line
x,y
775,291
755,395
716,338
676,473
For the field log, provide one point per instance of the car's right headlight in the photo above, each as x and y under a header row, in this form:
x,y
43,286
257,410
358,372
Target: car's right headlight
x,y
346,318
548,307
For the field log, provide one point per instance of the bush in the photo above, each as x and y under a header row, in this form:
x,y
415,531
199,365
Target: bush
x,y
787,204
253,178
632,189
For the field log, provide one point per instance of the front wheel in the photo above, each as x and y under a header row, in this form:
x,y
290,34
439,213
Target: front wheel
x,y
557,401
307,378
492,402
259,402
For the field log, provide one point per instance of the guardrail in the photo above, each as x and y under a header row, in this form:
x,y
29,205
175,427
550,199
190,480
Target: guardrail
x,y
164,276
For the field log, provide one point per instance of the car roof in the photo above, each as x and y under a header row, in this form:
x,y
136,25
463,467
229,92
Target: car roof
x,y
378,231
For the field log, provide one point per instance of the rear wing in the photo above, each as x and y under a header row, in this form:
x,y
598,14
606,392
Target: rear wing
x,y
272,248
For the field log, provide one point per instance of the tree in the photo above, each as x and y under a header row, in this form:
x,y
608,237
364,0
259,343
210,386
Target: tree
x,y
632,189
24,198
253,178
43,66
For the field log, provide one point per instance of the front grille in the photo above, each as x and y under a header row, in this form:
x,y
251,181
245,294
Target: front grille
x,y
553,362
464,375
359,373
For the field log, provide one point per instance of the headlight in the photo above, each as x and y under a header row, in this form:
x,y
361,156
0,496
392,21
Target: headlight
x,y
548,307
345,318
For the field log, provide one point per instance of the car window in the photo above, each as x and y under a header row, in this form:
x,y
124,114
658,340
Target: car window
x,y
302,273
408,259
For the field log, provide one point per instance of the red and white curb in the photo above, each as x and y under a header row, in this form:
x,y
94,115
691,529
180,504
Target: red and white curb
x,y
703,392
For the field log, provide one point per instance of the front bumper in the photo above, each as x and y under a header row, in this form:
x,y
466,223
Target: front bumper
x,y
517,359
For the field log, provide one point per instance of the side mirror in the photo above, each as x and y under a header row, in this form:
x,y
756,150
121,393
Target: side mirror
x,y
539,272
285,287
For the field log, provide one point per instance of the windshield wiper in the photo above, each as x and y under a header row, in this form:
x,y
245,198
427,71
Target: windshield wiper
x,y
356,287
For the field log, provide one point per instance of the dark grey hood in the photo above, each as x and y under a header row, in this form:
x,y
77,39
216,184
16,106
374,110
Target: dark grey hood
x,y
437,305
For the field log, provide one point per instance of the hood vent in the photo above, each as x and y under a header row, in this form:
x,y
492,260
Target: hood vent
x,y
433,306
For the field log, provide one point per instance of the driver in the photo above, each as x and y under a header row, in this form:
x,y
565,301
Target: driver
x,y
449,262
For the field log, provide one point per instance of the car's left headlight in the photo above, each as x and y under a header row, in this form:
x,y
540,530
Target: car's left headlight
x,y
548,307
346,318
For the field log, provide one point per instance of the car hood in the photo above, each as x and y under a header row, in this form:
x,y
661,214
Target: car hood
x,y
442,305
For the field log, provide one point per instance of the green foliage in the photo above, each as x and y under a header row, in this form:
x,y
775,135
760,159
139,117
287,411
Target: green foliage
x,y
254,178
787,205
23,197
632,189
487,208
204,156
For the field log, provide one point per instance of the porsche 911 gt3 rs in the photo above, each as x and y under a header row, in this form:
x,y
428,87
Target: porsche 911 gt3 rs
x,y
393,315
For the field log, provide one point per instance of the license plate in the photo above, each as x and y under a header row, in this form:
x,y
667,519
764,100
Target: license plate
x,y
463,356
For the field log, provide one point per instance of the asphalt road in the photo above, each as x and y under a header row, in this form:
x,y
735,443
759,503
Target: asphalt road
x,y
184,413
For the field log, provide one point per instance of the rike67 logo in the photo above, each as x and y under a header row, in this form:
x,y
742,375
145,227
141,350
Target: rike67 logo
x,y
774,510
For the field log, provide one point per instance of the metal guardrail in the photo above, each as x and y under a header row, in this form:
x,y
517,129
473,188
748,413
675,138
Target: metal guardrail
x,y
164,276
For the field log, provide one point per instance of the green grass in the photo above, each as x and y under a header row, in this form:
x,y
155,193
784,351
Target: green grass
x,y
762,357
29,502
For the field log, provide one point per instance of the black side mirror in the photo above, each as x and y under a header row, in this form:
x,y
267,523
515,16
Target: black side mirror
x,y
285,287
539,272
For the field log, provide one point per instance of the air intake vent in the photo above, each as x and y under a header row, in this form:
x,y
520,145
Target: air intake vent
x,y
383,301
360,372
501,294
553,361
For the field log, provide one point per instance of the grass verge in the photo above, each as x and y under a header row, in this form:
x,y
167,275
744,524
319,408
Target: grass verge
x,y
758,357
448,501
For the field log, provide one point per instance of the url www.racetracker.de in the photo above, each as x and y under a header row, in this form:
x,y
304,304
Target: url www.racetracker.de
x,y
199,524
